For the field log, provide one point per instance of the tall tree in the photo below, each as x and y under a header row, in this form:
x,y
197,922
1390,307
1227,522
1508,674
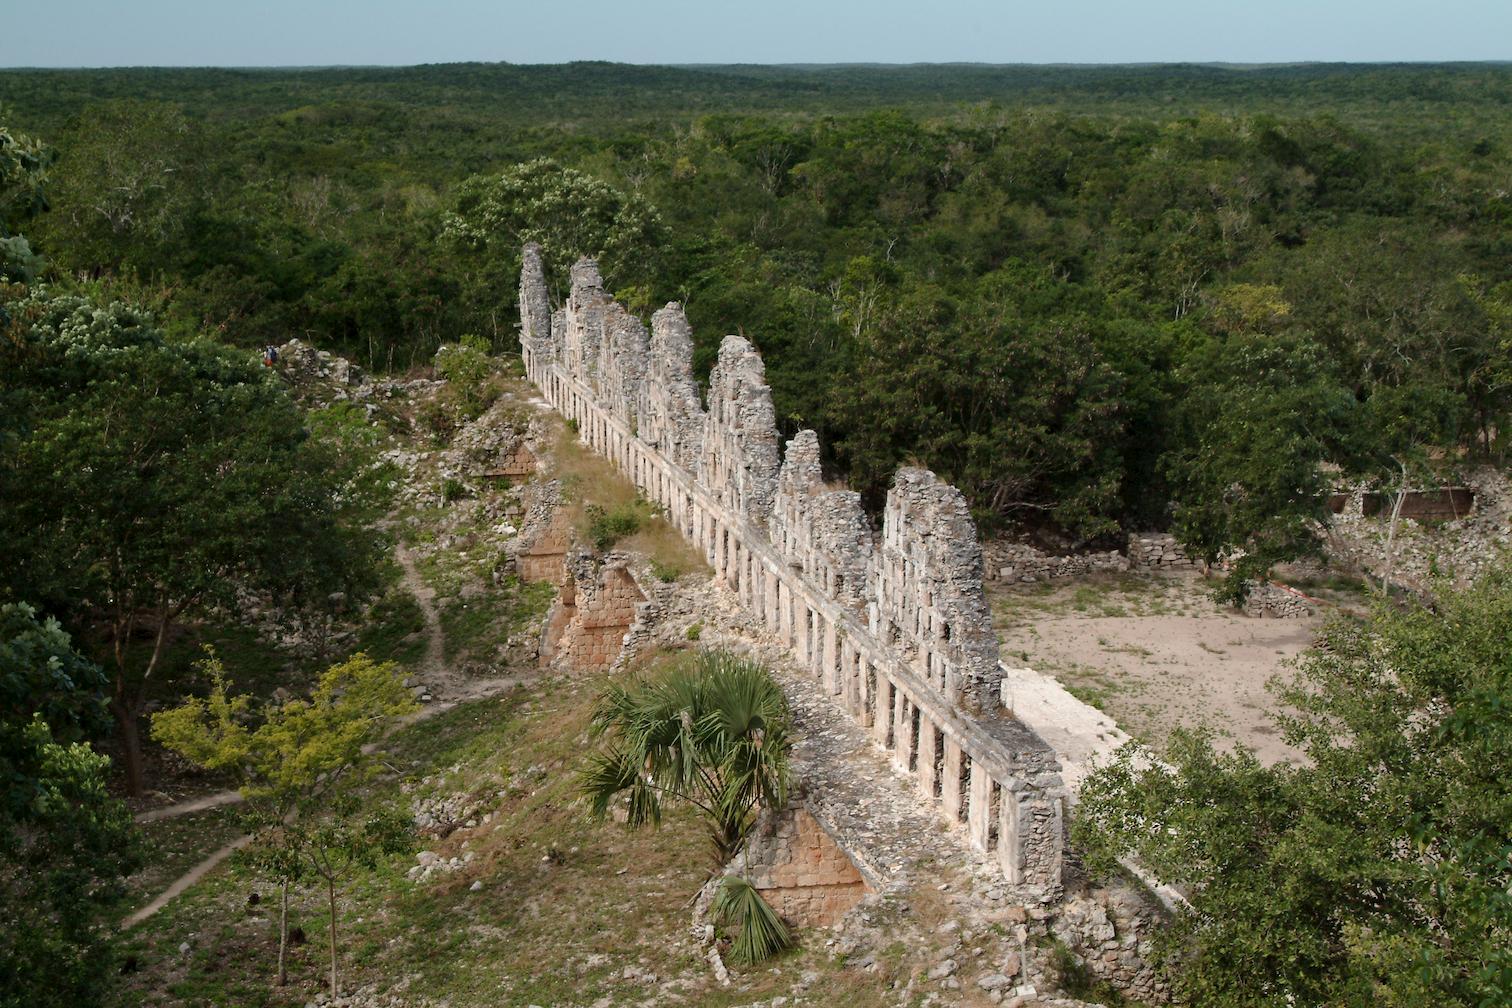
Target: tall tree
x,y
65,843
300,769
157,478
1375,872
1263,418
571,214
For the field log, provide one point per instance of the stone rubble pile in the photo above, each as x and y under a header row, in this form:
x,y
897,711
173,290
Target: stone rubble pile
x,y
1459,549
1158,550
369,996
302,364
1271,601
1023,563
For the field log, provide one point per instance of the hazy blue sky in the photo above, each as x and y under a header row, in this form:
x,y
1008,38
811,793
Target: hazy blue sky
x,y
305,32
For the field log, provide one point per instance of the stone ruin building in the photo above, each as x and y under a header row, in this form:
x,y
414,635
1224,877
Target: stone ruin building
x,y
896,627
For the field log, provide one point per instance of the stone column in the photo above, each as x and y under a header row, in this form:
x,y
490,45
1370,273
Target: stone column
x,y
865,702
903,741
770,612
833,669
1010,850
950,782
926,764
884,718
979,812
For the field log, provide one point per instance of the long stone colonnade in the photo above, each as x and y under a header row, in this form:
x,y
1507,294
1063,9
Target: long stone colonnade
x,y
898,631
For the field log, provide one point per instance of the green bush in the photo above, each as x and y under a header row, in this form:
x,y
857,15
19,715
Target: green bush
x,y
437,417
607,527
452,489
695,631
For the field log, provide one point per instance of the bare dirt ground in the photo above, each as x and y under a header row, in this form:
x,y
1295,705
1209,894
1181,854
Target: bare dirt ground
x,y
1155,653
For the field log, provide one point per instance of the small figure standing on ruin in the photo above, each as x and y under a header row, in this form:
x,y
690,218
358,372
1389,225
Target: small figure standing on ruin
x,y
270,355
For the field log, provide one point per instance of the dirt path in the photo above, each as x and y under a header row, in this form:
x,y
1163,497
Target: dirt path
x,y
473,690
184,881
433,666
199,804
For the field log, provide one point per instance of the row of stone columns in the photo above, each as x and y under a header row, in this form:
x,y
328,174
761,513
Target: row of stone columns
x,y
944,772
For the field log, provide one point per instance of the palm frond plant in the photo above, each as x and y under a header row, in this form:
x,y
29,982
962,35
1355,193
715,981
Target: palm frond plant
x,y
759,932
711,732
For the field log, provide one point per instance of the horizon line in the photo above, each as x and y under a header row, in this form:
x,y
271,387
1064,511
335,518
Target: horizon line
x,y
802,64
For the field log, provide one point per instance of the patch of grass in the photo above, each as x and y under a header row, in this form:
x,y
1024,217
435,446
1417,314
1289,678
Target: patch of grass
x,y
171,847
589,480
608,526
475,626
395,629
565,904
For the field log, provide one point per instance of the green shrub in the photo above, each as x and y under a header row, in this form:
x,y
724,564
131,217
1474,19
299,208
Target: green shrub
x,y
607,527
695,631
437,417
665,572
452,489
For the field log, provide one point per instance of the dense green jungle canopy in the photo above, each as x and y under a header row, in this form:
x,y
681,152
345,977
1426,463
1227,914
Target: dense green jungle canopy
x,y
1095,298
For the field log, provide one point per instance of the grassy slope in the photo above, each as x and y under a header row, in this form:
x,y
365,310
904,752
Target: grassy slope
x,y
566,905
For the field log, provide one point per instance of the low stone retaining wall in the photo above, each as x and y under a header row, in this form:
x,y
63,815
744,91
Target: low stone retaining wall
x,y
1016,562
1019,562
1158,550
1276,602
799,868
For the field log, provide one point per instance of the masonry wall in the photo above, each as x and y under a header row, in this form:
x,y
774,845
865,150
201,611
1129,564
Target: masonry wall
x,y
895,625
599,604
800,870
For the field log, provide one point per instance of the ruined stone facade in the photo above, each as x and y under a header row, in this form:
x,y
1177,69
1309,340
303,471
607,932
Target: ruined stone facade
x,y
896,627
800,870
599,605
545,535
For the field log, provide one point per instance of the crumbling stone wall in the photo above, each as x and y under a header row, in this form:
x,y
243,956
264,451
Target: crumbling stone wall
x,y
897,631
599,605
1021,563
1158,549
823,533
545,534
800,870
928,581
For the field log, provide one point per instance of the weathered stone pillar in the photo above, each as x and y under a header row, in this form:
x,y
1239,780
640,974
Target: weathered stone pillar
x,y
979,811
833,665
926,762
903,740
769,610
1010,850
845,655
950,782
882,724
864,699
